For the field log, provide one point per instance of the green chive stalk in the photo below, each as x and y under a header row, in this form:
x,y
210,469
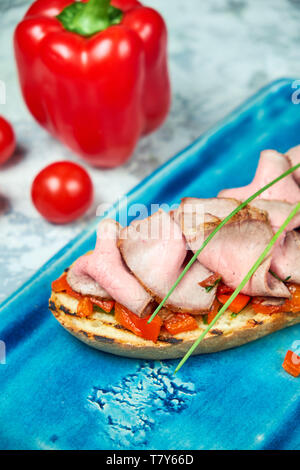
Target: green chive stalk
x,y
241,285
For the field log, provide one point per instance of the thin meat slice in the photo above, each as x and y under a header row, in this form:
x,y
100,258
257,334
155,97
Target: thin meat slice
x,y
278,211
195,211
105,267
294,157
286,257
154,249
235,248
218,207
84,284
286,253
271,165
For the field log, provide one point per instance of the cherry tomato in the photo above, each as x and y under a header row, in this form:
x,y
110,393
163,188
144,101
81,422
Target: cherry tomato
x,y
7,140
62,192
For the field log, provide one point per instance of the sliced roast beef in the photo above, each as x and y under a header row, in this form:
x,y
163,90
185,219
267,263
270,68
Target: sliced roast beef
x,y
83,283
286,253
294,157
154,249
286,257
194,211
218,207
277,211
271,165
235,248
105,267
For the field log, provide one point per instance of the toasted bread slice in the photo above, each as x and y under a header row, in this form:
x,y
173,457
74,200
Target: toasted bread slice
x,y
101,331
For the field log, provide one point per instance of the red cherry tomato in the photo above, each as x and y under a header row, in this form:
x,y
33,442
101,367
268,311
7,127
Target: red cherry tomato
x,y
62,192
7,140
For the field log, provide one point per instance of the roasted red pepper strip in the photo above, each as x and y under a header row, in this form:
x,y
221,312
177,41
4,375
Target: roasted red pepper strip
x,y
137,325
258,307
84,307
106,305
61,285
96,79
211,281
291,363
238,303
223,289
290,305
213,311
293,304
179,322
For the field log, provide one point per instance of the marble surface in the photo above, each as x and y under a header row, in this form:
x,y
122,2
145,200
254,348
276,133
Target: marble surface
x,y
220,51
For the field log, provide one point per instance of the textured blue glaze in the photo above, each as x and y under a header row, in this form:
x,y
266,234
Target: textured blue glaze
x,y
56,393
134,405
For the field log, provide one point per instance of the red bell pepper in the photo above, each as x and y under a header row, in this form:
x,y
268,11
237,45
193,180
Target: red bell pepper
x,y
213,311
180,322
84,307
259,307
61,285
94,74
237,304
291,363
106,305
138,326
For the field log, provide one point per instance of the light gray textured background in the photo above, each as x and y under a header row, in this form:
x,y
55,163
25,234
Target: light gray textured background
x,y
221,51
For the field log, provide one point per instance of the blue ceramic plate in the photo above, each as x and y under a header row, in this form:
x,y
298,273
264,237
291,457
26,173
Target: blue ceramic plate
x,y
57,393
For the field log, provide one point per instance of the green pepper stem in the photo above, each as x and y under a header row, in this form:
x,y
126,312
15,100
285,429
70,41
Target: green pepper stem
x,y
94,17
89,18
